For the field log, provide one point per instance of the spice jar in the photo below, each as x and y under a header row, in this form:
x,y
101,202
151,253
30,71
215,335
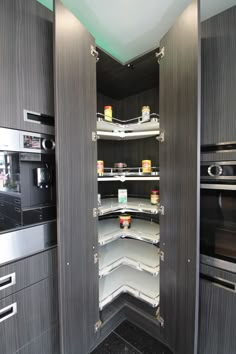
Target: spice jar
x,y
108,113
147,166
155,197
145,113
125,221
100,167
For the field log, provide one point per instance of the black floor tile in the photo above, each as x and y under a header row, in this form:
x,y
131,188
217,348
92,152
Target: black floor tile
x,y
140,340
113,344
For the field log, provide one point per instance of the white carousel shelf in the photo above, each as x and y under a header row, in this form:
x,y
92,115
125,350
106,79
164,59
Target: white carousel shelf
x,y
136,254
129,178
128,280
137,205
134,128
129,174
109,230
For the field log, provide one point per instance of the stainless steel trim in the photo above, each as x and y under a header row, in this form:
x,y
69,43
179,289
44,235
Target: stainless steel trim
x,y
227,187
24,242
203,163
12,313
218,178
218,263
12,278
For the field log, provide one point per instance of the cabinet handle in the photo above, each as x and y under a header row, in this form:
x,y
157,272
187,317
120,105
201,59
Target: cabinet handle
x,y
7,280
8,312
219,282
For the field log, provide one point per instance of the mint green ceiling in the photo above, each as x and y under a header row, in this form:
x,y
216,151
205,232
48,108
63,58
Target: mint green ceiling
x,y
127,29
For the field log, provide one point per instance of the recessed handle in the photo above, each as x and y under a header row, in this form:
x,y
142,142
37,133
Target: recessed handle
x,y
8,312
17,210
7,280
227,285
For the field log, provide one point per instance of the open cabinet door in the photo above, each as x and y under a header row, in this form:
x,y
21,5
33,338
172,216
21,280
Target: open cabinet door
x,y
76,155
179,181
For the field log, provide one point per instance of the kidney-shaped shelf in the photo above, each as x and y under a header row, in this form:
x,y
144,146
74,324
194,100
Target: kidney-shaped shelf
x,y
135,205
137,254
144,230
134,128
128,280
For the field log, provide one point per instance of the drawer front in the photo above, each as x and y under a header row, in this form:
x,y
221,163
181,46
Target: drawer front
x,y
18,275
47,343
26,315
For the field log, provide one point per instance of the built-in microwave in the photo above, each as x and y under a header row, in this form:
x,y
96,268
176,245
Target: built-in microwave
x,y
27,179
218,214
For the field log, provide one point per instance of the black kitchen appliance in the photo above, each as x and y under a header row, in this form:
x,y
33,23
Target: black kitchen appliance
x,y
218,214
27,178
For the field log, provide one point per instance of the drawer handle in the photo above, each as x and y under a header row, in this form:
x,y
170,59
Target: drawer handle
x,y
8,312
7,280
219,282
17,210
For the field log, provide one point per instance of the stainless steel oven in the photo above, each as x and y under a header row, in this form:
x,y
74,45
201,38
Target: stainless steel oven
x,y
218,214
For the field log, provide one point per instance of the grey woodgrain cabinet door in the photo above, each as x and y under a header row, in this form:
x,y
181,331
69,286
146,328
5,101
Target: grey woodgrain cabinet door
x,y
179,182
76,154
217,318
219,78
26,65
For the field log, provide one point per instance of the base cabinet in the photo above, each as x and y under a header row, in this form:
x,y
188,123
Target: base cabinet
x,y
217,314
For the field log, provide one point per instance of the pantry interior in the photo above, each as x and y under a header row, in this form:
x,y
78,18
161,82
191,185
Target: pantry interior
x,y
129,257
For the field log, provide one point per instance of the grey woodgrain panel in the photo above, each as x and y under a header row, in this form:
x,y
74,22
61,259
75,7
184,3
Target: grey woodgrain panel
x,y
179,184
47,343
26,66
219,78
37,311
75,98
219,156
30,270
217,319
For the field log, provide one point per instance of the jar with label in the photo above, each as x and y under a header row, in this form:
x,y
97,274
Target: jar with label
x,y
108,113
146,166
145,113
100,167
125,221
155,197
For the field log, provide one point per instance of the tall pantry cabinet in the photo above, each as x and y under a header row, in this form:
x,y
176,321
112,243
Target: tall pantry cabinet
x,y
82,324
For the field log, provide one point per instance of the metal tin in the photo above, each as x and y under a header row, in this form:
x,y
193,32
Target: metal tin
x,y
155,197
100,167
145,113
146,166
119,166
108,113
125,221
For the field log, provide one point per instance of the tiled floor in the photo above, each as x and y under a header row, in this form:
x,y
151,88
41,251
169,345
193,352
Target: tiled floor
x,y
128,338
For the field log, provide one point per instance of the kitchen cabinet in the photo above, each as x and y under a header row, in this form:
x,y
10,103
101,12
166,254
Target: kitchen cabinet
x,y
29,306
218,79
217,311
91,307
26,67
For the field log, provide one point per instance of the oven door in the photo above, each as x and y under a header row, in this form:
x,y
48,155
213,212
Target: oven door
x,y
218,225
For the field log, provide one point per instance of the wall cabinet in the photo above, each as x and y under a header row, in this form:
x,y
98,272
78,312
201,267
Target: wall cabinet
x,y
218,78
26,67
83,323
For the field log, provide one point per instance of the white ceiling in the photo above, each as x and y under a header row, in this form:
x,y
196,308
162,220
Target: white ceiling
x,y
127,29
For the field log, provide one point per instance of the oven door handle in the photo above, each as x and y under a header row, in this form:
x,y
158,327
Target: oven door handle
x,y
221,283
226,187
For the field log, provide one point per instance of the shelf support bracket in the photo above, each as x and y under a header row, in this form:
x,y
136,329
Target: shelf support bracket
x,y
162,210
94,53
95,212
97,325
161,137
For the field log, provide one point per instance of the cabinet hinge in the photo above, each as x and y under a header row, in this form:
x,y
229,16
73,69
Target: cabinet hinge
x,y
94,53
95,212
97,325
162,256
162,322
95,258
94,136
161,137
162,210
160,54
